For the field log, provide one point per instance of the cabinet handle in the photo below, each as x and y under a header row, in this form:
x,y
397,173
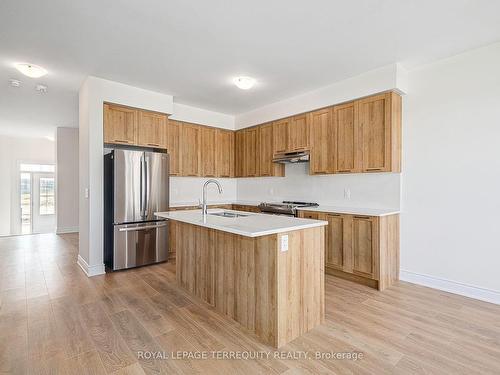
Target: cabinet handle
x,y
153,144
362,217
344,170
334,215
120,141
374,169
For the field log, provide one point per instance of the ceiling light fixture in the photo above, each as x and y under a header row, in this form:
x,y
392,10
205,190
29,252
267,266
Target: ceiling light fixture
x,y
244,83
30,70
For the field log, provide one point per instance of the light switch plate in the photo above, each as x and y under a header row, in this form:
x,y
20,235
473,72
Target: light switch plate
x,y
284,242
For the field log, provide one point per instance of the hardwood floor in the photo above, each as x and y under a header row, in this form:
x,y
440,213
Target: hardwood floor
x,y
55,320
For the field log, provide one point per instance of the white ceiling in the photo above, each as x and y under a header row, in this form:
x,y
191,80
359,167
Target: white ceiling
x,y
192,49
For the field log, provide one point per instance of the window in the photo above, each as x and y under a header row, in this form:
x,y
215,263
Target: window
x,y
25,203
47,196
37,167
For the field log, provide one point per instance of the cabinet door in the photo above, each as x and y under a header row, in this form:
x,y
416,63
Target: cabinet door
x,y
120,124
207,154
298,133
266,165
190,141
225,153
321,154
239,153
364,246
280,135
172,143
151,129
334,241
251,167
348,148
374,118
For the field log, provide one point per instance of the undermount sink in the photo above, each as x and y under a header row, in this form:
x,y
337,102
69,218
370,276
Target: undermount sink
x,y
227,214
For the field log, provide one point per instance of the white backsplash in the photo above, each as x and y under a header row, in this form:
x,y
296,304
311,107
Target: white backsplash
x,y
374,190
189,189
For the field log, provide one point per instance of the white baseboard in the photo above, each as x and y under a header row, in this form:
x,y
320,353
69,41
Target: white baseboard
x,y
90,270
66,230
466,290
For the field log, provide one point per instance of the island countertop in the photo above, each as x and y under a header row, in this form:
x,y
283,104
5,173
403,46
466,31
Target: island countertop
x,y
249,224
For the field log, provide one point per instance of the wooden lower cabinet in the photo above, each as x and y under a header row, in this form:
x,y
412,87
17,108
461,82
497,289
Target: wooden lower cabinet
x,y
364,249
244,207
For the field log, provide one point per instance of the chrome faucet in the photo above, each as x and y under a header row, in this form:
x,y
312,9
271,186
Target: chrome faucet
x,y
204,204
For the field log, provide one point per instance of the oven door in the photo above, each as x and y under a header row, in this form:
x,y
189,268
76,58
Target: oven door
x,y
139,244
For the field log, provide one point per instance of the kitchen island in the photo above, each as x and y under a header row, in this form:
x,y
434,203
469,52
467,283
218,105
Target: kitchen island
x,y
264,271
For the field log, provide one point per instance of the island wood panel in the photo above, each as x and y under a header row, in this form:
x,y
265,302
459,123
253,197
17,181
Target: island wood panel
x,y
276,295
300,272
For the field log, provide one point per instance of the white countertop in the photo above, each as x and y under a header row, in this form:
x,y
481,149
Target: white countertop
x,y
250,225
353,210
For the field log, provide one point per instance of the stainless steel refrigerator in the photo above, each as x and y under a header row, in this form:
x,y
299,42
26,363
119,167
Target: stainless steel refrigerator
x,y
136,185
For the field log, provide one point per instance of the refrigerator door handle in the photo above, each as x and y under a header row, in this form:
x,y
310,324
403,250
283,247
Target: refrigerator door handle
x,y
143,192
146,186
130,229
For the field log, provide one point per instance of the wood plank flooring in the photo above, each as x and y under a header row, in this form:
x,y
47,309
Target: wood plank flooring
x,y
55,320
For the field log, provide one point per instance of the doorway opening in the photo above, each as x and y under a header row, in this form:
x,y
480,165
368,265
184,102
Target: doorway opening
x,y
37,198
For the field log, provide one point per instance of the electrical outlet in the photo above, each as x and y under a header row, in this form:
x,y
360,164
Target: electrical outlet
x,y
284,242
271,191
347,193
86,192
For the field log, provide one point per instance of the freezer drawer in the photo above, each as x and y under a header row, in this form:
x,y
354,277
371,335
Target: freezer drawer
x,y
139,244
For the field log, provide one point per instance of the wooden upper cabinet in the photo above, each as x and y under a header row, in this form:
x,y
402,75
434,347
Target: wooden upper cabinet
x,y
239,153
172,143
224,153
298,133
348,148
321,155
120,124
151,129
280,135
380,122
266,165
364,246
208,152
190,144
251,153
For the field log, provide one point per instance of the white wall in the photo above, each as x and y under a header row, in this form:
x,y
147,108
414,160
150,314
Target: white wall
x,y
14,150
195,115
189,190
382,79
451,174
67,179
380,190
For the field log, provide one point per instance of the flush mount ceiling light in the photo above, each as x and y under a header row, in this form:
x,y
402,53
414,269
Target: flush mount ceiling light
x,y
244,83
31,70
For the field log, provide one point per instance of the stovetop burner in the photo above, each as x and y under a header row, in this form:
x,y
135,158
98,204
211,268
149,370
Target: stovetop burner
x,y
288,208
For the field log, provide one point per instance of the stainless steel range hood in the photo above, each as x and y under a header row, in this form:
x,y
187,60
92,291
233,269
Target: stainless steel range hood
x,y
292,157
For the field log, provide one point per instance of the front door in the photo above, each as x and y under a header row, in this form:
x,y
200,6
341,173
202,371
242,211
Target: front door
x,y
43,202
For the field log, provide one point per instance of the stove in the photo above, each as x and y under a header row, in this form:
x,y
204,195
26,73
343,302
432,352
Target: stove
x,y
288,208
